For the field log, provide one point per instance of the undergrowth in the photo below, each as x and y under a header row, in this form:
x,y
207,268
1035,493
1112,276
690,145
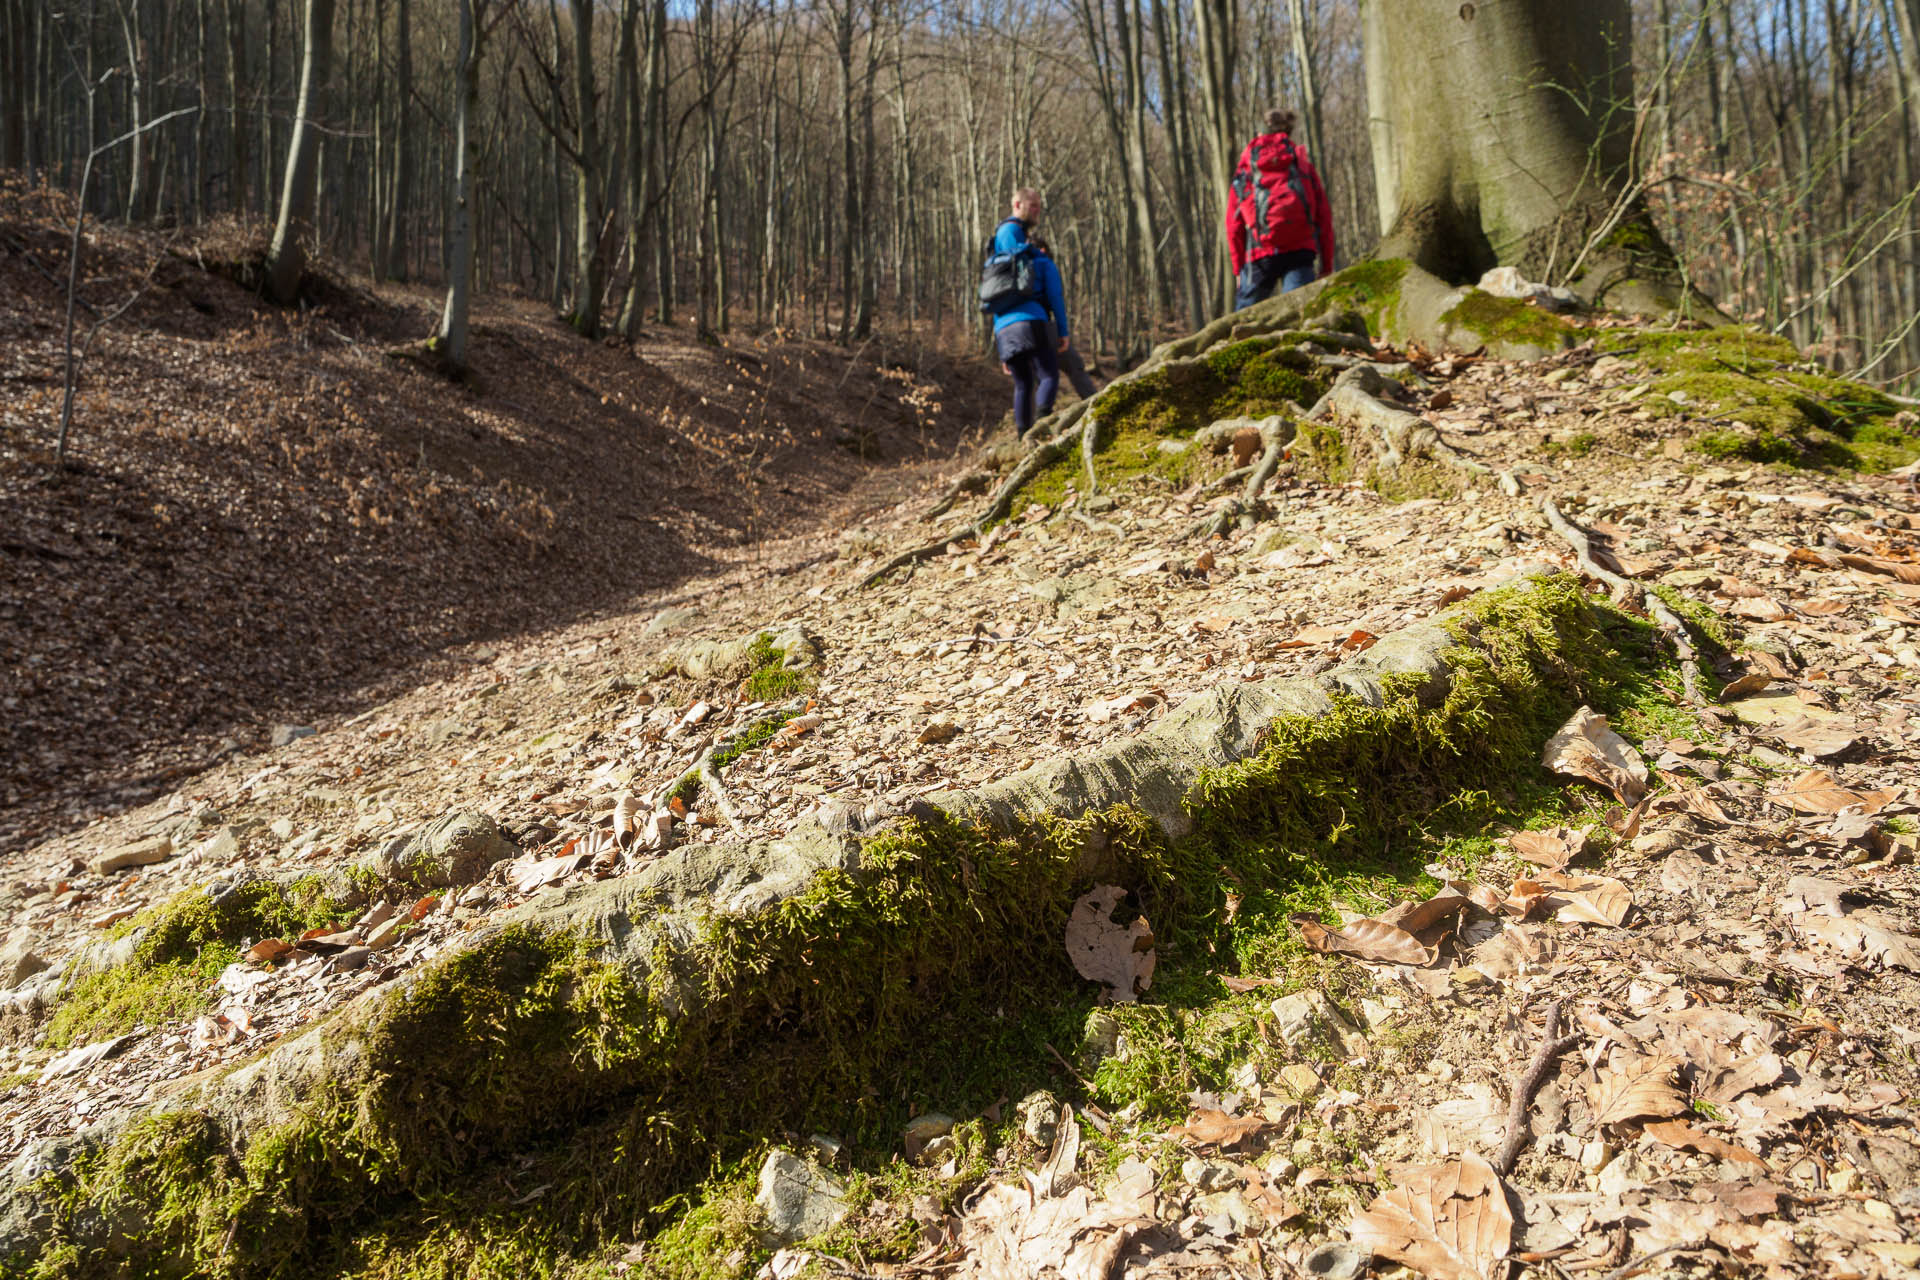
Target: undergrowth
x,y
772,679
930,977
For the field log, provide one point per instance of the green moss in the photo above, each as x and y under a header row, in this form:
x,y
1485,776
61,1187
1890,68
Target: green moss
x,y
1255,378
821,1013
1370,288
1787,413
1497,320
1577,445
772,679
184,944
758,735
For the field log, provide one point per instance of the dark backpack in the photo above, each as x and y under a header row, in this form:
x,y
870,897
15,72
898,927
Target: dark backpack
x,y
1007,279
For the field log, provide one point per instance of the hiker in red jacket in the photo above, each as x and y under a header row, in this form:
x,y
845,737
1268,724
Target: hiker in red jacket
x,y
1278,218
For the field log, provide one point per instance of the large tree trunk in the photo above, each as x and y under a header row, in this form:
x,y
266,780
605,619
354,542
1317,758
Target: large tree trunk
x,y
287,258
393,236
1502,136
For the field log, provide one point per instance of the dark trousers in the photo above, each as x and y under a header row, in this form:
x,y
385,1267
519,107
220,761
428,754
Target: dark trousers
x,y
1257,279
1031,359
1072,366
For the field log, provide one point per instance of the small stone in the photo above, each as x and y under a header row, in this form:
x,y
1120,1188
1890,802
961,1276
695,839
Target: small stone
x,y
141,853
18,962
798,1200
455,850
1309,1017
1301,1080
349,960
1039,1114
1595,1154
829,1149
1099,1040
922,1130
282,828
1280,1168
287,734
1658,844
384,934
1336,1260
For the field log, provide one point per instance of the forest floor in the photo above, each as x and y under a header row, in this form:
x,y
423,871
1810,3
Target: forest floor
x,y
269,518
1730,959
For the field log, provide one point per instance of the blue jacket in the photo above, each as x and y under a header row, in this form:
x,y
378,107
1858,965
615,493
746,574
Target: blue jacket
x,y
1011,235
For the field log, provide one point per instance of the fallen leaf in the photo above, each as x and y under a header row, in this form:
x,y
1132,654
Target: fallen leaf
x,y
1753,682
1119,957
1107,709
1209,1127
1371,940
1678,1133
1598,900
1761,609
1447,1221
1817,791
269,950
419,910
1756,1071
1863,935
1586,748
1318,635
1821,739
1552,848
1640,1088
1515,950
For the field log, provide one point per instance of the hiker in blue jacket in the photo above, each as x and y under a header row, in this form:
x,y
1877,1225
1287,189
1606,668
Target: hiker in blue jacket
x,y
1020,335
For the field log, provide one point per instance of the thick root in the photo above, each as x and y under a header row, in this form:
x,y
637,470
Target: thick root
x,y
1632,594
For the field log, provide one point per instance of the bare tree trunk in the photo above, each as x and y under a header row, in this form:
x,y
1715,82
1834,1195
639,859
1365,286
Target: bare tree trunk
x,y
589,265
393,234
452,338
236,122
1309,81
1501,135
286,260
1218,24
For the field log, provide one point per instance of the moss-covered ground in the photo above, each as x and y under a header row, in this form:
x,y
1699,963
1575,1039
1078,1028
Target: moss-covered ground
x,y
183,945
1769,405
1510,320
1253,378
527,1103
1370,289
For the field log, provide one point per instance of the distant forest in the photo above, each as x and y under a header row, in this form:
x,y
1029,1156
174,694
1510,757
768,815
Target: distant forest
x,y
833,167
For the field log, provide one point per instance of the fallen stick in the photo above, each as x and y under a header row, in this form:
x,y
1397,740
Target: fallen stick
x,y
1632,593
1552,1045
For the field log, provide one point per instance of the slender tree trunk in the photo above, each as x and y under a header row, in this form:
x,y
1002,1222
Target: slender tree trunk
x,y
589,264
400,176
1218,24
236,120
286,260
1297,18
452,338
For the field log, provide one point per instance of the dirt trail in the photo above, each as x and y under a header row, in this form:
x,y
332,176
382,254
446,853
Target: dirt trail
x,y
273,519
1736,957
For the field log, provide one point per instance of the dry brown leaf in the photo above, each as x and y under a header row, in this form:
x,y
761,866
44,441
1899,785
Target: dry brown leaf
x,y
1210,1127
1515,950
1553,848
1447,1221
1119,957
1641,1088
1864,935
1770,664
1678,1133
1586,748
1820,739
268,949
1753,682
1598,900
1756,1071
1760,609
1319,635
1526,897
1430,916
1371,940
1817,791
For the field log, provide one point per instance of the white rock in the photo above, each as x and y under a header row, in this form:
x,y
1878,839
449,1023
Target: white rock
x,y
798,1200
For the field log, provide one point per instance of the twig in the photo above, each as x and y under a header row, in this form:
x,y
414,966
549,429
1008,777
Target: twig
x,y
1628,592
710,784
1552,1045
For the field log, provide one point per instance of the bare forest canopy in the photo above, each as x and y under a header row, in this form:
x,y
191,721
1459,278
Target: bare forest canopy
x,y
828,166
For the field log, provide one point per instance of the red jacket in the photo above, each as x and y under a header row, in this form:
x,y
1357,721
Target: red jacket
x,y
1277,204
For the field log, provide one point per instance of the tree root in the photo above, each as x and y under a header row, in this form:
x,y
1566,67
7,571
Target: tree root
x,y
1090,441
710,786
1399,435
1042,457
972,482
1276,433
1631,593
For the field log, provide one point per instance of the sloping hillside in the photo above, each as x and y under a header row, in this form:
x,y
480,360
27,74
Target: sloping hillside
x,y
270,517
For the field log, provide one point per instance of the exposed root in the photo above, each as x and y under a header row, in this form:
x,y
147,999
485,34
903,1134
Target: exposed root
x,y
1090,441
1631,593
1276,433
1399,436
1042,457
710,787
972,482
